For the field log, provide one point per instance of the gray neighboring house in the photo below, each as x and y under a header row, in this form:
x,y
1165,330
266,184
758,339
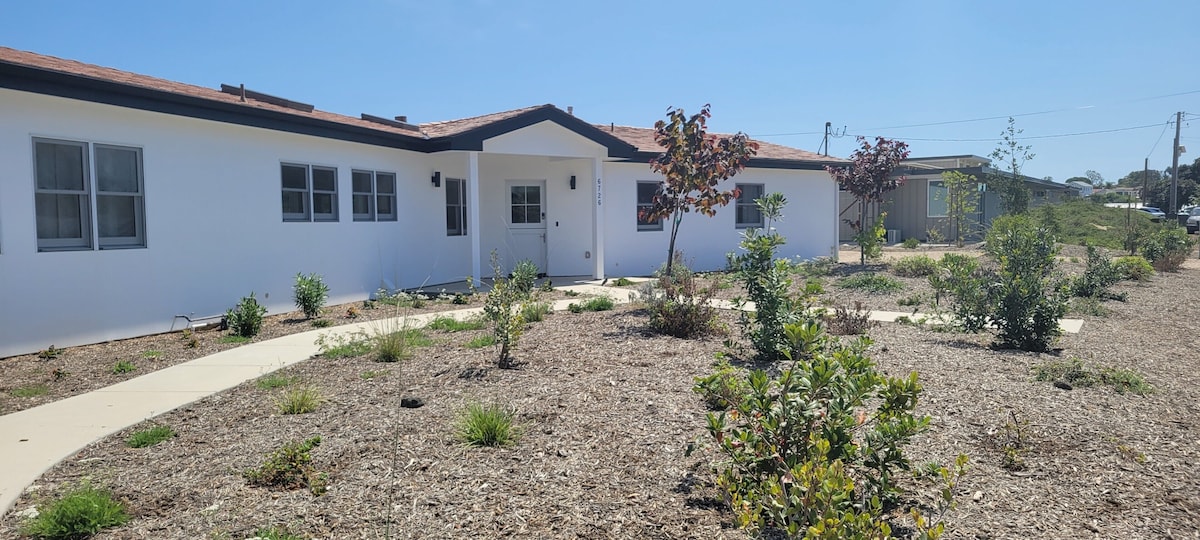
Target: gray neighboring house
x,y
919,206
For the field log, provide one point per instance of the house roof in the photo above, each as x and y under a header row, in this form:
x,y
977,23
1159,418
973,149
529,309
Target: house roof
x,y
32,72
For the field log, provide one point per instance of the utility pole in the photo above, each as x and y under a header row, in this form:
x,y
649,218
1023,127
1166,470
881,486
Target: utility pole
x,y
825,141
1175,166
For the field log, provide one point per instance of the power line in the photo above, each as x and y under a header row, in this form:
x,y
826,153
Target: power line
x,y
1159,139
969,120
1054,136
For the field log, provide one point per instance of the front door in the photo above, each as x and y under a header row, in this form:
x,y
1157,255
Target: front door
x,y
527,222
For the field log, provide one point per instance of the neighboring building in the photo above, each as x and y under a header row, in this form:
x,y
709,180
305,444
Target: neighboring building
x,y
918,208
127,201
1085,189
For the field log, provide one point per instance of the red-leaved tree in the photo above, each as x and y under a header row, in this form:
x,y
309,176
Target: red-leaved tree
x,y
869,178
693,164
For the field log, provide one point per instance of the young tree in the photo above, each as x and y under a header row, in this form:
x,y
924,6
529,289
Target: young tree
x,y
693,164
1014,194
962,196
869,178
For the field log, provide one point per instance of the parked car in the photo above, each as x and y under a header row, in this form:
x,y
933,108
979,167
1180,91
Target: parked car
x,y
1193,220
1155,214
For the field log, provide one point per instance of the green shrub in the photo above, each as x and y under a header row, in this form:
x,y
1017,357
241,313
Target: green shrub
x,y
1133,268
50,353
722,389
1088,305
870,282
911,243
524,275
310,293
1076,373
502,307
152,354
299,400
915,266
123,366
622,282
535,311
818,450
272,381
450,324
817,267
599,303
79,513
290,467
322,323
1028,301
1097,277
480,342
486,425
246,318
680,270
1167,248
683,308
341,345
968,287
394,345
149,437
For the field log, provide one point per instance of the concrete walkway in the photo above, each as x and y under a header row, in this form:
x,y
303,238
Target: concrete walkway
x,y
33,440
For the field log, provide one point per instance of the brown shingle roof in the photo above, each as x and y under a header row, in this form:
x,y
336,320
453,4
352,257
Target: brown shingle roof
x,y
448,128
72,67
643,139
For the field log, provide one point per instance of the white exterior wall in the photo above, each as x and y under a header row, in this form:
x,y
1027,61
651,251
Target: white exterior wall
x,y
809,221
214,226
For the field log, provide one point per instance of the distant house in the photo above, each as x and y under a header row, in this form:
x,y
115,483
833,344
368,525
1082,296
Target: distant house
x,y
1085,189
918,208
129,202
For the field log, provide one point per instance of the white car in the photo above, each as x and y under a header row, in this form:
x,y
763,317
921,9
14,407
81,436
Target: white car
x,y
1193,220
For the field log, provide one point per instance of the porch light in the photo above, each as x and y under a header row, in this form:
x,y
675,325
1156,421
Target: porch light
x,y
572,182
437,179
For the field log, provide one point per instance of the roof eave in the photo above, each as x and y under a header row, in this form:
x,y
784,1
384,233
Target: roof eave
x,y
472,139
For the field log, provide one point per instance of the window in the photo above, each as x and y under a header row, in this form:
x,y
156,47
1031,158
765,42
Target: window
x,y
373,195
456,207
67,215
645,200
309,193
748,214
938,197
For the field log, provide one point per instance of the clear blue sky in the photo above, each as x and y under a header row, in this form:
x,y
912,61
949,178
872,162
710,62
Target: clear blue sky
x,y
774,69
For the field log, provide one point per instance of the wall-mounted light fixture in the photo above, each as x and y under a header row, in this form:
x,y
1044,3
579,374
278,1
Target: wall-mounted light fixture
x,y
572,182
437,179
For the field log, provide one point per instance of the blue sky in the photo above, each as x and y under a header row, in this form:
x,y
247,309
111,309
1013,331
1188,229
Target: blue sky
x,y
777,70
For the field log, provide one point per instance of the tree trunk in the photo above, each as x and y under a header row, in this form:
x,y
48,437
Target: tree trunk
x,y
671,246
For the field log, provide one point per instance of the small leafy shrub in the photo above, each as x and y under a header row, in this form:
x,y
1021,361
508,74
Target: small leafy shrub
x,y
913,301
961,280
31,390
246,318
911,243
723,388
340,345
122,367
310,293
152,354
59,374
352,312
149,437
535,311
1087,305
299,400
1028,301
915,266
683,309
450,324
870,282
679,269
817,449
870,240
845,321
1167,248
502,307
817,267
524,275
276,533
481,342
1075,373
234,338
321,323
272,381
622,282
486,425
460,299
79,513
189,338
50,353
1133,268
599,303
290,467
1014,442
396,345
1097,277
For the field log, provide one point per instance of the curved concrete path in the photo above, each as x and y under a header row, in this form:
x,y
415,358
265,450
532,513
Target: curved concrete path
x,y
33,440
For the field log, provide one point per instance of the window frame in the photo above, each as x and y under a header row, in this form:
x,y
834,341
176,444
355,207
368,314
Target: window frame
x,y
369,194
306,215
645,226
89,199
309,195
459,209
332,215
940,186
742,203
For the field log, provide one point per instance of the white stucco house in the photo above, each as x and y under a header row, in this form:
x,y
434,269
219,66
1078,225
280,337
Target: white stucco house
x,y
126,200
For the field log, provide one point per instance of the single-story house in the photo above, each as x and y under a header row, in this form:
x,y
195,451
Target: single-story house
x,y
917,209
129,202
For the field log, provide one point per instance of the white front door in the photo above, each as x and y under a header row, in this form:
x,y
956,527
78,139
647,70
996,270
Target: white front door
x,y
527,222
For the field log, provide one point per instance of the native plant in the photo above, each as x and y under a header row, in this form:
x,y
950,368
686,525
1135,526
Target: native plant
x,y
524,275
961,192
598,303
1097,277
310,293
1133,268
150,436
503,308
766,280
723,388
693,164
967,287
80,513
869,178
487,425
915,266
818,449
1029,300
290,467
1014,194
246,318
1167,248
681,306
